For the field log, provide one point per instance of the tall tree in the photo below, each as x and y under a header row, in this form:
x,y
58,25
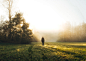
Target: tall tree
x,y
20,29
8,5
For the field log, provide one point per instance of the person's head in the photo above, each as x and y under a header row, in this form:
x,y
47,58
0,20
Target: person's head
x,y
42,37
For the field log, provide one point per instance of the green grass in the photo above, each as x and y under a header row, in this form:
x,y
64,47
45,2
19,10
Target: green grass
x,y
52,51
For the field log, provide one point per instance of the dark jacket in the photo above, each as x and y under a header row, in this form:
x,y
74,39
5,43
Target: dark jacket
x,y
42,40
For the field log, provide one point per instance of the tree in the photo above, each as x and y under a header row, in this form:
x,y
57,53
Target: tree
x,y
21,33
8,5
13,30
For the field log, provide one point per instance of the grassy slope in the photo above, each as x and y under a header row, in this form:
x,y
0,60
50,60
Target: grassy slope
x,y
49,52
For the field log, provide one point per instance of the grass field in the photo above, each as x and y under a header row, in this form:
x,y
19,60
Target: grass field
x,y
52,51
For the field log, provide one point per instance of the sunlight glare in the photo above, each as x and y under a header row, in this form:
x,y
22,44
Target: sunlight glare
x,y
41,16
18,50
21,25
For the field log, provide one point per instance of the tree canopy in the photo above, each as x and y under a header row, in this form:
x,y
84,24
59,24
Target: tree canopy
x,y
20,32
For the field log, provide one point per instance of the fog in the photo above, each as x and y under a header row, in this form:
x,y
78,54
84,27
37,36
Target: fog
x,y
48,36
66,33
55,20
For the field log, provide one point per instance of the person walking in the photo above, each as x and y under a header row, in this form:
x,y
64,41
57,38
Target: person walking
x,y
42,40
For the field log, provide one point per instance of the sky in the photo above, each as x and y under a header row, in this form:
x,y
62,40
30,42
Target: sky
x,y
48,15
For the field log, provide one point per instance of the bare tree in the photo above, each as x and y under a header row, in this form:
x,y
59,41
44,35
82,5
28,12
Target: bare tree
x,y
8,5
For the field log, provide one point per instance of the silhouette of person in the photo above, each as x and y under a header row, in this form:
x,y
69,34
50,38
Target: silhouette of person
x,y
42,40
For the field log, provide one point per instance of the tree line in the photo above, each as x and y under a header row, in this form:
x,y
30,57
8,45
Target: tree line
x,y
20,32
14,30
73,33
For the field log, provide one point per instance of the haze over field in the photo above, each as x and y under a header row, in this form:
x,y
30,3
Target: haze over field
x,y
47,17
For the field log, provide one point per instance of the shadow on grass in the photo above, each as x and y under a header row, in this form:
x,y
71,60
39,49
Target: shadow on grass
x,y
62,58
27,55
16,55
14,52
72,53
75,46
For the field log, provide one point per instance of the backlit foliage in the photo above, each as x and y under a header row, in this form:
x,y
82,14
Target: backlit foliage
x,y
19,33
73,33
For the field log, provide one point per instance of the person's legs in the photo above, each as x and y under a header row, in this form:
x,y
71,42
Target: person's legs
x,y
43,43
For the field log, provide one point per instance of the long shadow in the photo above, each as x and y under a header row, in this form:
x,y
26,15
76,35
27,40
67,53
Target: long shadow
x,y
29,53
75,46
67,52
72,53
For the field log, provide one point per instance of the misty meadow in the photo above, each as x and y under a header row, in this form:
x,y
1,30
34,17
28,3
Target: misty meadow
x,y
51,51
42,30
